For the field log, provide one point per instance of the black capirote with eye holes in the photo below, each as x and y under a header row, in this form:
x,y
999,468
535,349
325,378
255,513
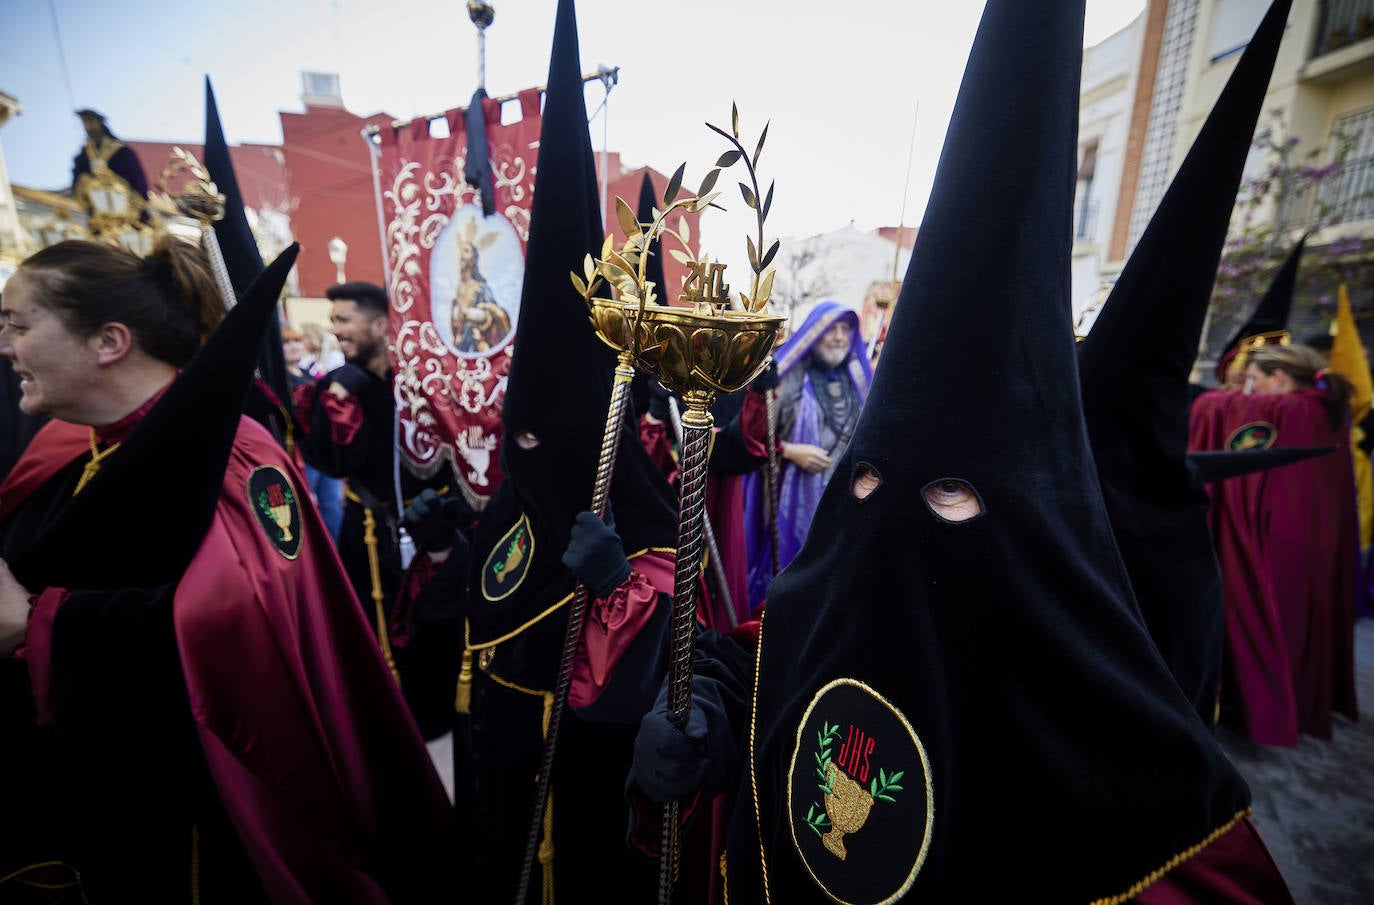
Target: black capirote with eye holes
x,y
1062,756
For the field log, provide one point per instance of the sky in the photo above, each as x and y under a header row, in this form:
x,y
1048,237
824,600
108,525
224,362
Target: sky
x,y
841,84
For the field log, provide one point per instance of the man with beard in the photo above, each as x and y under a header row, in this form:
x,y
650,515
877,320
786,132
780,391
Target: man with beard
x,y
823,376
349,421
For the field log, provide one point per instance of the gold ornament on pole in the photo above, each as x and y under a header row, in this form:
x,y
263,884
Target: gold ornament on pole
x,y
698,349
200,200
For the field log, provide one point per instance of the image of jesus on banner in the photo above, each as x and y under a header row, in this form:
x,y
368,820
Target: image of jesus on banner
x,y
479,323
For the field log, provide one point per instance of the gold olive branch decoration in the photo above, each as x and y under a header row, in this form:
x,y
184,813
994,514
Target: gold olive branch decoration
x,y
626,269
200,198
759,260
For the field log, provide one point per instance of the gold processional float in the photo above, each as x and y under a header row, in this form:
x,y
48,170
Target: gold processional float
x,y
703,347
187,206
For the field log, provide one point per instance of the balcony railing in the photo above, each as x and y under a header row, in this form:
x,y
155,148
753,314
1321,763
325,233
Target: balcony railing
x,y
1346,196
1343,22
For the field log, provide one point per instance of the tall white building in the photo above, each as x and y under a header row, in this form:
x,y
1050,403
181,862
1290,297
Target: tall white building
x,y
1104,124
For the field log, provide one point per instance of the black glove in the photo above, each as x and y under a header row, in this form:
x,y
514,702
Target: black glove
x,y
767,379
670,762
349,376
595,554
658,401
433,521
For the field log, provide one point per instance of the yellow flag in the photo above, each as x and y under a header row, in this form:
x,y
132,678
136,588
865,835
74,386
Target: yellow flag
x,y
1348,358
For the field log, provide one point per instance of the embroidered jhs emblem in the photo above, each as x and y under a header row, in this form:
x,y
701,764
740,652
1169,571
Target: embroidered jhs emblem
x,y
860,794
846,801
274,503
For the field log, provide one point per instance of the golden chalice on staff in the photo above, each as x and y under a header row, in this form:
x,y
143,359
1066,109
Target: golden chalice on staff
x,y
699,348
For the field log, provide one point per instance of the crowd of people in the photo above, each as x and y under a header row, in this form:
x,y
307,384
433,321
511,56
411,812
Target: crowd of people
x,y
1008,583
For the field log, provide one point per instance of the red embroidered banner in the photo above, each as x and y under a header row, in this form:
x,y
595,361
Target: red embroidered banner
x,y
455,279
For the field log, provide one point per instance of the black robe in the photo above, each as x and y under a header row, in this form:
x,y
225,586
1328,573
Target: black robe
x,y
427,660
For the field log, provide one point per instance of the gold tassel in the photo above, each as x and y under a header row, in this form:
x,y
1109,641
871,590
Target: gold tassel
x,y
546,844
462,701
546,853
370,541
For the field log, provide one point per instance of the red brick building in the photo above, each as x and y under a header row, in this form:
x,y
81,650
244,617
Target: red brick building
x,y
321,177
623,183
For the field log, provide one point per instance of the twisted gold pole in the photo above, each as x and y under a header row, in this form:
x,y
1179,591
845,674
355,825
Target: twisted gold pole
x,y
605,468
696,436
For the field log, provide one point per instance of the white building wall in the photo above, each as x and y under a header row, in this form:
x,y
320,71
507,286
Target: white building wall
x,y
1104,122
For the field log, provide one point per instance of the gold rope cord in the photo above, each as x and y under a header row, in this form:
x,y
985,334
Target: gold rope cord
x,y
98,455
753,771
18,877
1173,862
521,629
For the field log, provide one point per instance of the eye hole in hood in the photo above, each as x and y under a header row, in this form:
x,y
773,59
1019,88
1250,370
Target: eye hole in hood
x,y
952,500
866,480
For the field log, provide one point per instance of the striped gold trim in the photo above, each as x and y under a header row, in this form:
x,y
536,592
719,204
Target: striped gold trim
x,y
1173,862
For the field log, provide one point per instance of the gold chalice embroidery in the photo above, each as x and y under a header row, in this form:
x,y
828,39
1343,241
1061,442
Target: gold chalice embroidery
x,y
846,802
847,806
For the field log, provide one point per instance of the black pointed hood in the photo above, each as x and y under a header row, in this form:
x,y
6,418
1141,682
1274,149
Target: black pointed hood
x,y
1218,465
1271,314
242,258
952,685
154,479
560,378
1134,368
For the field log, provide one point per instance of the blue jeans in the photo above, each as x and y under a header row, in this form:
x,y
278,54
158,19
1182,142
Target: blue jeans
x,y
328,494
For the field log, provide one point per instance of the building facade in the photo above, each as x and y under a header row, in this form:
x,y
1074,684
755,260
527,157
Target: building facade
x,y
1320,107
1110,74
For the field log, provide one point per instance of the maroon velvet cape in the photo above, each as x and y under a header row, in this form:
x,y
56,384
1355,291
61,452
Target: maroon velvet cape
x,y
1288,545
315,757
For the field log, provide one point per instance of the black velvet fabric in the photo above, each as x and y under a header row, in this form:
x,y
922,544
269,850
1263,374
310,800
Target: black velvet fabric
x,y
1134,368
560,379
559,391
243,260
1009,644
477,165
149,480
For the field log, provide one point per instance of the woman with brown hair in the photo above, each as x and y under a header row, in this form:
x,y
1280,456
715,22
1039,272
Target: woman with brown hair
x,y
1287,369
190,699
